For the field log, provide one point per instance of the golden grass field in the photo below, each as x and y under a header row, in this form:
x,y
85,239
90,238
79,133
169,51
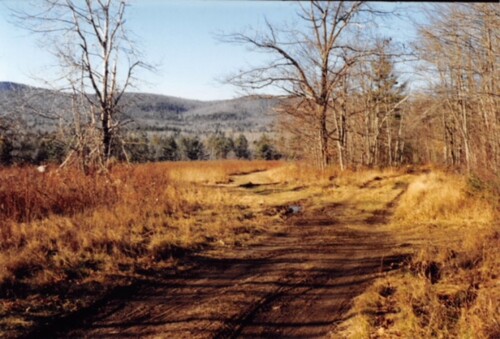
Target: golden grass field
x,y
451,287
66,238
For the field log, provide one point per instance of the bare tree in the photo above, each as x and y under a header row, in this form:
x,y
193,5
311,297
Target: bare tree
x,y
383,97
460,45
310,66
97,61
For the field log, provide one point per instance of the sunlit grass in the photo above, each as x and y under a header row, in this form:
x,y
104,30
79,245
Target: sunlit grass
x,y
62,229
62,232
439,197
215,172
449,288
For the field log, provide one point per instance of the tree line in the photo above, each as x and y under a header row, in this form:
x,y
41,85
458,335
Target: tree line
x,y
138,147
346,103
343,99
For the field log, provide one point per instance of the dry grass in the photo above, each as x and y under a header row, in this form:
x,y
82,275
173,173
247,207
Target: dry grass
x,y
450,288
292,182
27,195
304,173
216,172
66,238
62,232
442,198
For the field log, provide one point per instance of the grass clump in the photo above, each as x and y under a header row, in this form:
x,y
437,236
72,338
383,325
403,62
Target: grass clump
x,y
449,288
442,198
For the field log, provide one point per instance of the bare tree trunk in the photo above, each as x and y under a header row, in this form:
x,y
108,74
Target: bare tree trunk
x,y
323,142
96,58
461,44
311,66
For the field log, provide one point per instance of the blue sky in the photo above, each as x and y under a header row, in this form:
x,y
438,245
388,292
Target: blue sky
x,y
177,36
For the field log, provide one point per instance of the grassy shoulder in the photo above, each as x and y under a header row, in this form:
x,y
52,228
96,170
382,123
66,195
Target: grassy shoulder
x,y
66,238
449,289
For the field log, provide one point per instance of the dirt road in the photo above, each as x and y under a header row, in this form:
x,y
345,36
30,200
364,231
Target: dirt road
x,y
298,282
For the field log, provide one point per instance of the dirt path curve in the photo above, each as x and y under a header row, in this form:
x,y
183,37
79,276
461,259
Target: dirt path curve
x,y
297,283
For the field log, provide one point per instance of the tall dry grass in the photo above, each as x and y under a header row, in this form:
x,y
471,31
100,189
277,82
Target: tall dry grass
x,y
62,229
442,198
450,288
27,195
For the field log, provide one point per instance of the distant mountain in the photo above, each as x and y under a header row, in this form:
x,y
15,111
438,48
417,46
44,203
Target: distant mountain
x,y
148,112
11,86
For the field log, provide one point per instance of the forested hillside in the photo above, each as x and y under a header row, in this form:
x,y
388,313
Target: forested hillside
x,y
37,127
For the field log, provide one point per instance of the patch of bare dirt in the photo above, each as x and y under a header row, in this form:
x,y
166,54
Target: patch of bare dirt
x,y
297,282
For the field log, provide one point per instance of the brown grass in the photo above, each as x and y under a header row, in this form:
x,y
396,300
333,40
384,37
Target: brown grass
x,y
27,195
450,288
216,172
62,231
442,198
66,238
303,173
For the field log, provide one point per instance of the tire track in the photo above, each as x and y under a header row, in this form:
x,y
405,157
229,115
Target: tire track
x,y
298,285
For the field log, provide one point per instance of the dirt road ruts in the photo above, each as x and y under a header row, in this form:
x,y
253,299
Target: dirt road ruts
x,y
296,283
